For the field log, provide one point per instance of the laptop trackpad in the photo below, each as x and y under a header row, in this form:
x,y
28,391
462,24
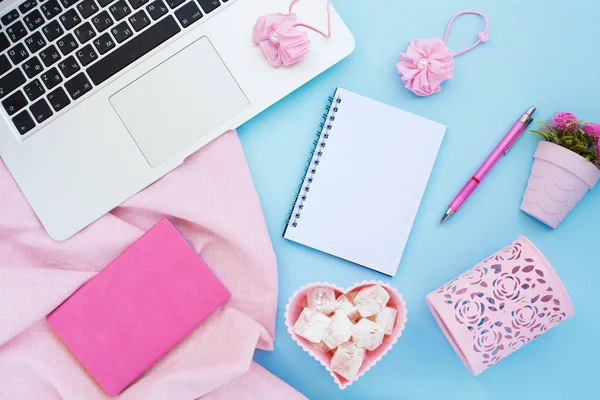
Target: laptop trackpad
x,y
179,101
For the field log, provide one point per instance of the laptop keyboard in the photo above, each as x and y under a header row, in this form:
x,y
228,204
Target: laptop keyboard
x,y
53,52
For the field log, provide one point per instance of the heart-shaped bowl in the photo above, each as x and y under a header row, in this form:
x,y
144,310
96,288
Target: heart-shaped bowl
x,y
297,302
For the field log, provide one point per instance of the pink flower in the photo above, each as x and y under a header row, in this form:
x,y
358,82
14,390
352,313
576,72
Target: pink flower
x,y
488,341
592,129
507,287
475,275
524,317
280,41
519,342
563,120
511,252
425,65
469,312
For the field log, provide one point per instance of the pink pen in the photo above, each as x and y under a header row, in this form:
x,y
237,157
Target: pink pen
x,y
503,147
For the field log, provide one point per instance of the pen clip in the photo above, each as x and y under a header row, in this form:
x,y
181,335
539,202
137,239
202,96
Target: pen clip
x,y
527,123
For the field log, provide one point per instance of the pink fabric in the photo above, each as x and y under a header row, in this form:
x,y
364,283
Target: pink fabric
x,y
213,202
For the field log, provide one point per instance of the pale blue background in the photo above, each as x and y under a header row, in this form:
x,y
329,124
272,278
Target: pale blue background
x,y
542,52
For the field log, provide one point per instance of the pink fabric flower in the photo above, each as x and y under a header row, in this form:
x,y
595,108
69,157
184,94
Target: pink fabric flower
x,y
425,65
280,41
561,120
592,129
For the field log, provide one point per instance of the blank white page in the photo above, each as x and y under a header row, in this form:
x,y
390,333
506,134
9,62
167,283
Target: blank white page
x,y
368,183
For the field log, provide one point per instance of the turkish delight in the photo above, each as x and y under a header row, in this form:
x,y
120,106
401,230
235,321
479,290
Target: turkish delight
x,y
367,334
371,300
345,304
386,319
347,360
311,325
339,330
321,299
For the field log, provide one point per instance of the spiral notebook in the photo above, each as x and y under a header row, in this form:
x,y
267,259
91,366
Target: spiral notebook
x,y
364,182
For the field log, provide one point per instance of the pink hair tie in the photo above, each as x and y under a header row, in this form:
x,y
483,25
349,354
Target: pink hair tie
x,y
428,62
281,41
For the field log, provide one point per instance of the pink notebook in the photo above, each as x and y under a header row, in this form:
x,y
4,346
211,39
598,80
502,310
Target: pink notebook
x,y
127,317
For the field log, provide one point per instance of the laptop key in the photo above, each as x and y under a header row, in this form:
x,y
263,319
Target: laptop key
x,y
35,42
174,3
51,78
23,122
209,5
41,111
51,9
49,55
133,49
78,86
104,43
139,20
58,99
104,3
10,17
14,102
18,54
67,44
52,30
157,9
87,8
68,3
33,20
135,4
120,10
27,6
70,19
68,66
102,21
16,31
4,43
86,55
5,65
188,14
11,81
121,32
32,67
84,32
34,89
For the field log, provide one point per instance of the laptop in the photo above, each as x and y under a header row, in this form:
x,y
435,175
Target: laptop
x,y
100,98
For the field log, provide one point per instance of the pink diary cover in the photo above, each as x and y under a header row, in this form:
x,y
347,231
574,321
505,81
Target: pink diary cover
x,y
129,315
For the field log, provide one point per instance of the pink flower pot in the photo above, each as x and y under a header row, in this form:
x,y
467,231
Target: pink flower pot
x,y
500,305
558,181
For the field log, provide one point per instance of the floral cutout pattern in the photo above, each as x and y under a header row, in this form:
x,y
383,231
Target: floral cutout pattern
x,y
504,302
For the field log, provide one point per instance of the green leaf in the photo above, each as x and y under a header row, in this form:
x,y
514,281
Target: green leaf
x,y
579,149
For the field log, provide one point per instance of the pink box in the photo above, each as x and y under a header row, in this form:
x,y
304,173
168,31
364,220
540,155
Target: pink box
x,y
500,305
128,316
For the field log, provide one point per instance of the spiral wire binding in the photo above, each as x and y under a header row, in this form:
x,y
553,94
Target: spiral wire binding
x,y
313,160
